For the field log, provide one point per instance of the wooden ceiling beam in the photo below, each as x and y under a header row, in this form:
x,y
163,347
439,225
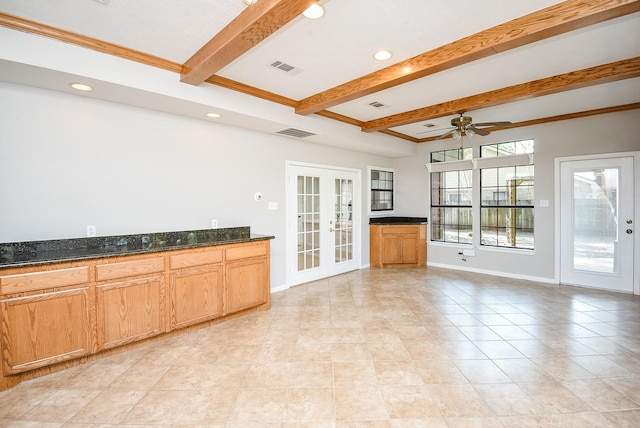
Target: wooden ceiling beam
x,y
551,21
253,25
606,73
32,27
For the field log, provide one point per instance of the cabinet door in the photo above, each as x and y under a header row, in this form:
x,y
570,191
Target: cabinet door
x,y
130,310
196,295
391,249
410,249
247,283
44,329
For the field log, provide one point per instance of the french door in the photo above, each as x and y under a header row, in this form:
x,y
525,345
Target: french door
x,y
597,223
323,231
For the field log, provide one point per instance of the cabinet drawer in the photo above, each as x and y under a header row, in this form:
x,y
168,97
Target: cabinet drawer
x,y
247,251
399,230
180,261
42,280
127,269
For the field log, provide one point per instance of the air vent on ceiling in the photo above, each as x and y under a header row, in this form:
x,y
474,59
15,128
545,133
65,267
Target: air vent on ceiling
x,y
285,68
293,132
378,105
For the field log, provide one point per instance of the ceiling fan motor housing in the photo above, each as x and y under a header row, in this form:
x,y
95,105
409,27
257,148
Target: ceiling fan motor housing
x,y
461,122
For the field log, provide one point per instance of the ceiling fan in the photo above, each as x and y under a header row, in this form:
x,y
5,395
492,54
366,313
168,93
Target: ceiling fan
x,y
464,125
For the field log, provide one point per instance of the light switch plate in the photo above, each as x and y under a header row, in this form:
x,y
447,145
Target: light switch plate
x,y
273,205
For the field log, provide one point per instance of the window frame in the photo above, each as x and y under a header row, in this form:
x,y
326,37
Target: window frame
x,y
371,189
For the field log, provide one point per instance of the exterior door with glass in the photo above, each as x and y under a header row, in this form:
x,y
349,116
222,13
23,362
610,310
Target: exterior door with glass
x,y
323,222
597,223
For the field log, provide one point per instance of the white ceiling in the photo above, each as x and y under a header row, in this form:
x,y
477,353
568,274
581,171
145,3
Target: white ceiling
x,y
339,47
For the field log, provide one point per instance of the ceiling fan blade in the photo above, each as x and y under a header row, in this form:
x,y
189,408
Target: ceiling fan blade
x,y
432,130
492,124
478,130
446,134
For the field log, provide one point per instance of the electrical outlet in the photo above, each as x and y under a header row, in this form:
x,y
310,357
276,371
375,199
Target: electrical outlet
x,y
214,224
91,231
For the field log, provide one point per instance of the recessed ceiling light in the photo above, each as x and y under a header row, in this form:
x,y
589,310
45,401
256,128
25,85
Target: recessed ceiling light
x,y
249,2
314,11
81,87
382,55
214,115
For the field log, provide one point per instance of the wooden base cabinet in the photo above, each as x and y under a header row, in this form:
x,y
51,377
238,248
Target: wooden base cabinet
x,y
60,312
39,327
398,245
247,271
130,310
131,301
44,329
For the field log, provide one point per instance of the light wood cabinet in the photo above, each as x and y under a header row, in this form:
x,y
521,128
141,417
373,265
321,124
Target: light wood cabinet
x,y
246,270
130,310
131,301
40,328
197,288
59,312
398,245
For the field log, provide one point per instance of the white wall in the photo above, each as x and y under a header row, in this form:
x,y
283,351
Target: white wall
x,y
616,132
68,161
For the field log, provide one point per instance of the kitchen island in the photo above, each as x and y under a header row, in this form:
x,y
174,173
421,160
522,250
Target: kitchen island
x,y
66,301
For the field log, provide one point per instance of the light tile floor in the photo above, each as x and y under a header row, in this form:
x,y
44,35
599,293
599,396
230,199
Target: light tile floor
x,y
372,348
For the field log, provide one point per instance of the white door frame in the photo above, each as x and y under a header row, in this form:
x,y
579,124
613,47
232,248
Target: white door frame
x,y
636,209
290,239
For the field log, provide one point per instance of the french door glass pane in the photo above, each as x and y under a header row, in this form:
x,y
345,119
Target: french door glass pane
x,y
344,220
308,211
595,220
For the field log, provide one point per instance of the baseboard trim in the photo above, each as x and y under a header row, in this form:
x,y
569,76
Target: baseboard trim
x,y
279,288
496,273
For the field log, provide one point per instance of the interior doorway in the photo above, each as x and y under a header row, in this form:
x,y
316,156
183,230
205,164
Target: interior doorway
x,y
323,221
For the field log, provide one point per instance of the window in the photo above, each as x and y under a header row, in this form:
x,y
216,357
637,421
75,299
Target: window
x,y
507,149
381,190
499,186
451,155
451,216
451,197
506,206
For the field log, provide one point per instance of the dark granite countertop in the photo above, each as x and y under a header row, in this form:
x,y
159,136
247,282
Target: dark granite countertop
x,y
397,220
15,254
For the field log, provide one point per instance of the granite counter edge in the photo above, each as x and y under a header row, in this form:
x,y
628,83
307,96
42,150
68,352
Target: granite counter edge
x,y
121,253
